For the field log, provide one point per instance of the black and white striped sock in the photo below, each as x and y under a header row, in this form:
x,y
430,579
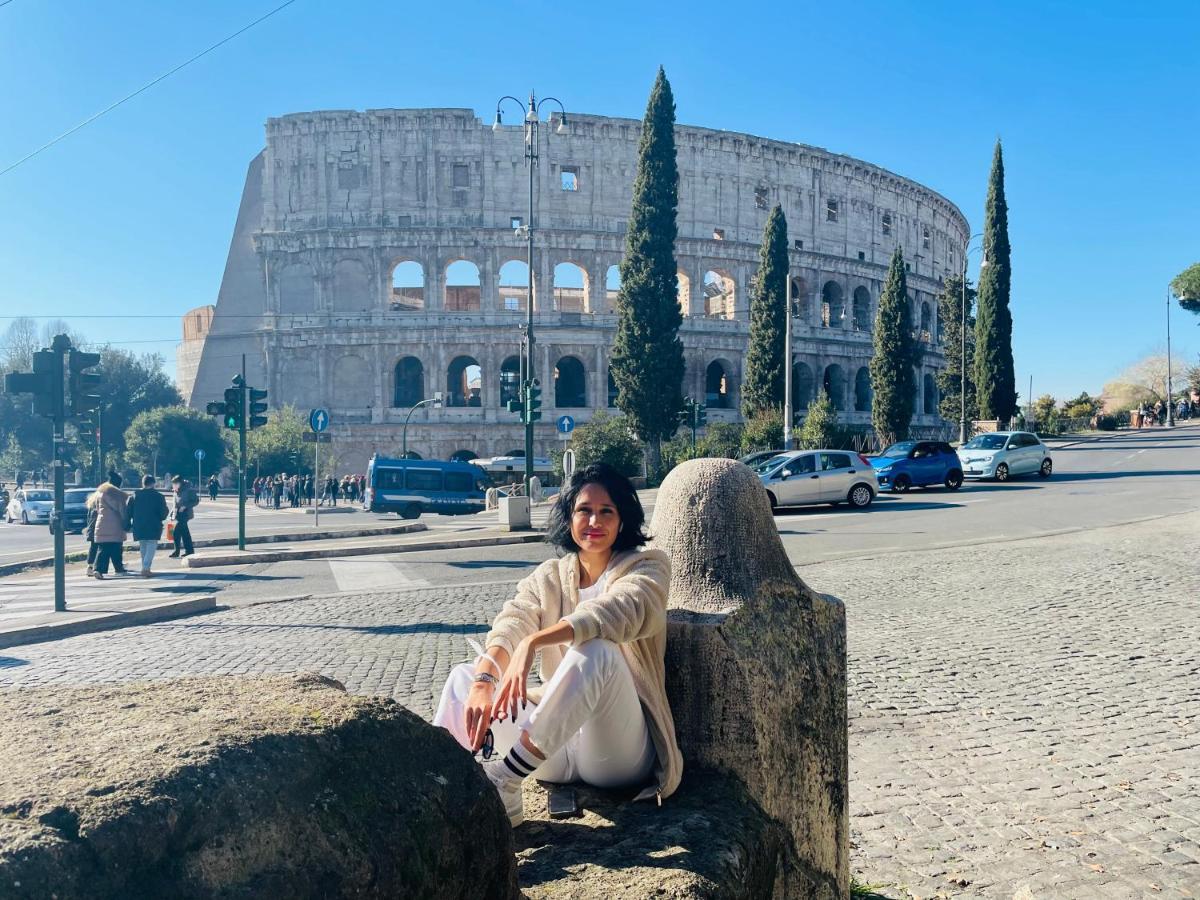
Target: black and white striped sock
x,y
518,762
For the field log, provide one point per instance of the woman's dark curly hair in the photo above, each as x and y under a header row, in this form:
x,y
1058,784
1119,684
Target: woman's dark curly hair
x,y
624,498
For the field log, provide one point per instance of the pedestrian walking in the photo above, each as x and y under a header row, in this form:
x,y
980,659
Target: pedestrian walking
x,y
277,491
148,511
93,508
186,500
214,487
112,513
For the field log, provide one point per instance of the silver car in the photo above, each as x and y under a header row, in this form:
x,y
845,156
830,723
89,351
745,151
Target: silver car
x,y
30,506
1003,454
804,477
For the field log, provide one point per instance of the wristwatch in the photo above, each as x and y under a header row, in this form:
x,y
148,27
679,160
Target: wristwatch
x,y
485,676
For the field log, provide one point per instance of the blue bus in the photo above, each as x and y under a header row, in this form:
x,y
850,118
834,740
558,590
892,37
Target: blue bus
x,y
410,487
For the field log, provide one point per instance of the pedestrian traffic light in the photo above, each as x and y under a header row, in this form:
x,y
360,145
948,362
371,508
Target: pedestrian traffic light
x,y
701,414
533,405
39,382
83,384
235,404
257,406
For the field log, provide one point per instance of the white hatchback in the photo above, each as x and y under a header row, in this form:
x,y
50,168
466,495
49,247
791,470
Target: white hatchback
x,y
1003,454
803,477
30,506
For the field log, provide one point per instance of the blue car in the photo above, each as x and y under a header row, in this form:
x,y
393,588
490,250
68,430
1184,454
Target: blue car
x,y
918,464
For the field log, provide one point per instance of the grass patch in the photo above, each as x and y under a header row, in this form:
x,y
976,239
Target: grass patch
x,y
861,891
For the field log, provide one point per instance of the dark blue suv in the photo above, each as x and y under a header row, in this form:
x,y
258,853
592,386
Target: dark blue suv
x,y
918,464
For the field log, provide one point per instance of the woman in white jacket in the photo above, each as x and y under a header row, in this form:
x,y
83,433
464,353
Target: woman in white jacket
x,y
598,616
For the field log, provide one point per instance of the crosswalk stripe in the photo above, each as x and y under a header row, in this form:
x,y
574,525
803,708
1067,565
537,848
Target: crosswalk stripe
x,y
358,573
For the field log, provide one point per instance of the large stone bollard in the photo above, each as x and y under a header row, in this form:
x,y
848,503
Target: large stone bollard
x,y
240,788
756,667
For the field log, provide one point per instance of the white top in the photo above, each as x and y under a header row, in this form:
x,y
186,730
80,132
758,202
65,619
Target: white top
x,y
595,590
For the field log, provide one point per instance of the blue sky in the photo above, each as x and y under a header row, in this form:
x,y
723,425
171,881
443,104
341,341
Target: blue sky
x,y
1096,103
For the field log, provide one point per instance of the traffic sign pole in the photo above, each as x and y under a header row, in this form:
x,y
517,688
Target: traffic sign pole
x,y
242,463
318,421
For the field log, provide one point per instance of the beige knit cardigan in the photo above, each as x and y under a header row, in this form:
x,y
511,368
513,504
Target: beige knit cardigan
x,y
631,612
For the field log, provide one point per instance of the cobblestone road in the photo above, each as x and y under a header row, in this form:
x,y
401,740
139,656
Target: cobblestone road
x,y
1025,716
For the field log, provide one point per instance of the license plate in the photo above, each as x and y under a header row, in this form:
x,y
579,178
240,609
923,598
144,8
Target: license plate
x,y
974,472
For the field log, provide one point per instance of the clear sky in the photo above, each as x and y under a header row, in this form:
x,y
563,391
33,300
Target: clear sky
x,y
1096,104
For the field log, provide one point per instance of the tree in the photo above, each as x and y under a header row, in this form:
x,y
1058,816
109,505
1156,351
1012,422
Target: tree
x,y
1081,407
995,380
820,424
893,381
647,356
949,379
763,431
166,439
1143,382
721,440
277,447
1193,378
1045,414
20,343
1186,286
130,385
763,387
608,439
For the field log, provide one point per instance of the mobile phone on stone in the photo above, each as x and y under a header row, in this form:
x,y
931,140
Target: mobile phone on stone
x,y
562,803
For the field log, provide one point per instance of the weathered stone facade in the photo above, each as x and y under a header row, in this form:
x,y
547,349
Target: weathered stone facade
x,y
375,261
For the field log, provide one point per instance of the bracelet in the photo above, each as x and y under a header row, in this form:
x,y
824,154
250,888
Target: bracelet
x,y
485,678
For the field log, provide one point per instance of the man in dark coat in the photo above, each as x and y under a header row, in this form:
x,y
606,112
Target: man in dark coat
x,y
186,500
148,510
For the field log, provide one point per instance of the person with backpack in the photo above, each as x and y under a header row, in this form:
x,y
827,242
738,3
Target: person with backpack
x,y
186,500
147,512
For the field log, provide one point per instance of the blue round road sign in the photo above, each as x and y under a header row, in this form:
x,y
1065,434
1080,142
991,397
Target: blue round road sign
x,y
318,420
566,424
199,454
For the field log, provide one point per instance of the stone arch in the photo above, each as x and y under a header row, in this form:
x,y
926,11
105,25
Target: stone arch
x,y
832,305
463,456
799,299
408,286
298,383
833,382
352,385
683,291
570,383
802,385
297,289
464,382
462,286
514,286
718,385
612,390
571,292
862,309
612,287
720,294
926,320
409,382
510,379
863,394
929,392
351,287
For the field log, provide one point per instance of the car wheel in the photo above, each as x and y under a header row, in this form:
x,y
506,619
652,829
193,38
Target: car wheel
x,y
1002,472
954,479
901,484
1047,468
860,496
774,504
411,511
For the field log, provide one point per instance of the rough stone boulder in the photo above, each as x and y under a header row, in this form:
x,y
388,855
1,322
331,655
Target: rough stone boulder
x,y
231,788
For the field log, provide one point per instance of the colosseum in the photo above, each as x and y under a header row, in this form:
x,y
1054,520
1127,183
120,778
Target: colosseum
x,y
377,259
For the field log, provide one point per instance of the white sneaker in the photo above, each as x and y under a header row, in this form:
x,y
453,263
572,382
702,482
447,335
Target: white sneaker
x,y
509,787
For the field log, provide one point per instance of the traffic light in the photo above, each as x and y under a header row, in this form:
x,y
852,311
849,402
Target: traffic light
x,y
533,406
40,383
235,404
257,406
516,406
83,384
700,413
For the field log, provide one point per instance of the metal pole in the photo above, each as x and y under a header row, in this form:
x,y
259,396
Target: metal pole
x,y
531,153
317,481
787,373
60,346
962,370
241,465
1170,402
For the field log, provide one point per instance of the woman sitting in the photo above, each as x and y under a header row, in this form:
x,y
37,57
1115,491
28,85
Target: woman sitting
x,y
598,616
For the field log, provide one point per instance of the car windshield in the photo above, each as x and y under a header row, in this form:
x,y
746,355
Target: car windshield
x,y
899,451
75,497
766,465
38,496
986,442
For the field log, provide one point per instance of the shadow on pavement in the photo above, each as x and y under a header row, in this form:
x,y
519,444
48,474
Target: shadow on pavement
x,y
494,564
975,487
1109,476
413,628
11,662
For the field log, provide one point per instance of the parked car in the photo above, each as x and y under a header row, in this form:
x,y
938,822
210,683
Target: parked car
x,y
756,459
1002,454
75,509
803,477
30,506
918,464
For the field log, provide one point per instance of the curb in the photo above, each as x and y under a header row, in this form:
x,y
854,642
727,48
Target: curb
x,y
105,620
269,556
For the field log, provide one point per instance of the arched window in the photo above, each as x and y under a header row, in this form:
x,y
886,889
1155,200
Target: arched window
x,y
570,384
462,286
926,321
514,286
510,380
833,309
683,290
862,309
612,390
862,390
570,288
834,384
410,382
718,387
464,382
931,397
612,287
719,295
800,299
802,386
408,287
463,456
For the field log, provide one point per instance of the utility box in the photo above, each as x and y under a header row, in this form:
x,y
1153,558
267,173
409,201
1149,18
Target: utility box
x,y
514,514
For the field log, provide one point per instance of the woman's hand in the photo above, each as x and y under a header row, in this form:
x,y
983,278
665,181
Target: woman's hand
x,y
479,712
514,686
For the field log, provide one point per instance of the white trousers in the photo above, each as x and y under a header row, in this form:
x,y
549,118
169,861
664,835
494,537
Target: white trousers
x,y
590,724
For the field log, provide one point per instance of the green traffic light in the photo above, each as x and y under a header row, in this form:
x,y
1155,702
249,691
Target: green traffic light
x,y
231,421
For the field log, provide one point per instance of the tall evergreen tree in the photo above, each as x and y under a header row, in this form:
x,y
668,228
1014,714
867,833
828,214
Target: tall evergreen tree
x,y
995,381
950,315
893,380
647,354
763,386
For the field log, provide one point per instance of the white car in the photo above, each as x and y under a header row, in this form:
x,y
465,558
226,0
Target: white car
x,y
30,506
803,477
1003,454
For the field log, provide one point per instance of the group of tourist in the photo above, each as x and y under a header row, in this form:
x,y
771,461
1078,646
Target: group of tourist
x,y
112,514
1146,415
278,491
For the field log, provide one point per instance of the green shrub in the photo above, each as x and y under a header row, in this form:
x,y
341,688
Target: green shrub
x,y
820,428
606,438
764,431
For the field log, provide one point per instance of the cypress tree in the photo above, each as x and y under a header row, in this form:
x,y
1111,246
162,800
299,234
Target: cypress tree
x,y
892,378
950,314
995,381
763,386
647,354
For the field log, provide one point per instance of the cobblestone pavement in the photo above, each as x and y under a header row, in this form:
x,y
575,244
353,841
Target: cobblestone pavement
x,y
1025,716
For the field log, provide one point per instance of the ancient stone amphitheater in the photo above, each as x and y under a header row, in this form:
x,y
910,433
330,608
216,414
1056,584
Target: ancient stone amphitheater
x,y
376,260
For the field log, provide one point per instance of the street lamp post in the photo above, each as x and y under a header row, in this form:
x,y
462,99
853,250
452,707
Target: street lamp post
x,y
787,369
962,337
436,400
1170,402
532,137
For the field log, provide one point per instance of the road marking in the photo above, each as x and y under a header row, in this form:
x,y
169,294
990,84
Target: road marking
x,y
359,574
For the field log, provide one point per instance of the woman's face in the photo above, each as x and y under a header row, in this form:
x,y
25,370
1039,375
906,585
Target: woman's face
x,y
594,521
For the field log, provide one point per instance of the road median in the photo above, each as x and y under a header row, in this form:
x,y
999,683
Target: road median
x,y
53,626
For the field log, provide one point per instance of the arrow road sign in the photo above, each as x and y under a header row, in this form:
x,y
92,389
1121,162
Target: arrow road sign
x,y
199,454
566,424
318,420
